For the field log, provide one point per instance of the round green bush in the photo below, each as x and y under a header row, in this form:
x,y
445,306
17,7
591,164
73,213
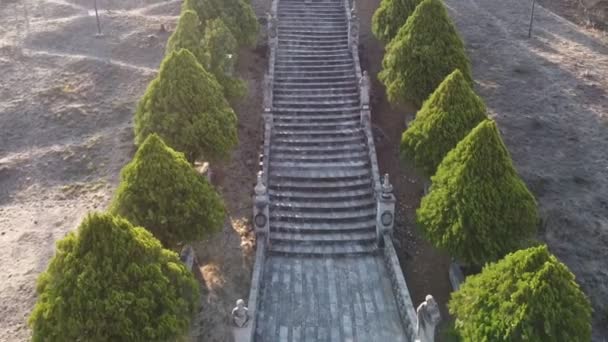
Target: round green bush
x,y
186,107
527,296
110,281
478,208
390,16
187,35
425,50
159,190
451,112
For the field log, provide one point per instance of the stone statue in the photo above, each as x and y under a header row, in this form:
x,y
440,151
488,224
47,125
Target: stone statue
x,y
240,314
364,85
260,188
387,187
428,318
353,10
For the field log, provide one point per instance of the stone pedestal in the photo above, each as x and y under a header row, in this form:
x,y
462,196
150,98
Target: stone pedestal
x,y
385,216
261,212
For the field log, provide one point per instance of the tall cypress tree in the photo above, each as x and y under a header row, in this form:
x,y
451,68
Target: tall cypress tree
x,y
187,35
478,208
186,107
159,190
426,49
527,296
390,16
451,112
111,281
221,54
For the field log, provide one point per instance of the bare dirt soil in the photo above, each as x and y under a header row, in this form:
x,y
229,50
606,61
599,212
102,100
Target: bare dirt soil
x,y
549,97
592,14
66,105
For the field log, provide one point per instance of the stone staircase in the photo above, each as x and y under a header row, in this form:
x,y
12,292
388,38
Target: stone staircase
x,y
320,274
321,195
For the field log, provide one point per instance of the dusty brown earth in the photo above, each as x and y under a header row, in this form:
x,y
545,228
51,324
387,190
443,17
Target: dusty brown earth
x,y
66,105
548,95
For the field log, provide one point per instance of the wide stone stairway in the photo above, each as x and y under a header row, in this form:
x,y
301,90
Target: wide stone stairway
x,y
324,277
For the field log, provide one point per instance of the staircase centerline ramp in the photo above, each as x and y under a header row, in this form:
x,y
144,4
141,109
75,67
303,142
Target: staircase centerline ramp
x,y
324,270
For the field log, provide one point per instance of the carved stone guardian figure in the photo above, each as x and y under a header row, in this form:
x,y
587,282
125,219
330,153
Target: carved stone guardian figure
x,y
240,314
428,318
364,86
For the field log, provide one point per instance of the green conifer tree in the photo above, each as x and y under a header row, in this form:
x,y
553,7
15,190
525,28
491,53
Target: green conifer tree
x,y
186,107
390,16
110,281
426,49
221,54
527,296
159,190
478,208
451,112
187,35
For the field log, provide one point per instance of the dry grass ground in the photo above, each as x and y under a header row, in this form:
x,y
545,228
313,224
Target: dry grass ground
x,y
549,97
66,105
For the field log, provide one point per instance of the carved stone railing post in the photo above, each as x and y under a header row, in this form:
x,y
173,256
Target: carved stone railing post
x,y
260,210
385,216
353,26
364,90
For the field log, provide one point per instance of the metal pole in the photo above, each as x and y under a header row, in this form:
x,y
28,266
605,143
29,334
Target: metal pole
x,y
97,17
531,19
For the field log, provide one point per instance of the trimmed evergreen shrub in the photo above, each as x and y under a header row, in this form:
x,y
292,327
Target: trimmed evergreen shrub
x,y
527,296
451,112
241,19
159,190
187,36
110,281
186,107
478,208
426,49
390,16
237,14
220,57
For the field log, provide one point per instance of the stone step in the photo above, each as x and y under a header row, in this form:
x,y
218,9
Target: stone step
x,y
314,74
330,177
295,7
324,239
277,165
323,250
322,37
362,215
313,26
358,156
316,119
310,32
290,57
304,111
322,228
313,86
345,89
285,44
303,63
323,126
317,206
319,187
338,65
343,195
324,149
318,104
312,42
311,14
319,96
315,133
303,141
293,52
312,18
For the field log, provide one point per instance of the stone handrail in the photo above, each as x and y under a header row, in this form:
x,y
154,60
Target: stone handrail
x,y
353,43
400,289
247,333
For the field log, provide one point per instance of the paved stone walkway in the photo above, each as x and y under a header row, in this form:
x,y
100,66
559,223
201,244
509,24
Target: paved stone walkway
x,y
324,278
